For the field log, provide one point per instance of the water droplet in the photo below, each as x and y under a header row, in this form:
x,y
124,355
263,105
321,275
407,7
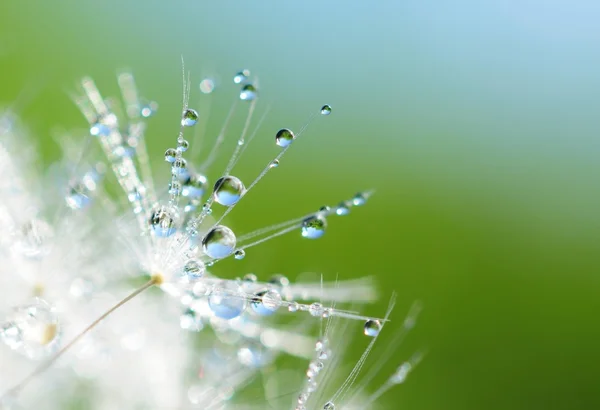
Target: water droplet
x,y
193,269
163,222
78,196
250,278
239,254
227,300
248,93
329,406
314,227
207,86
241,76
324,209
189,320
279,280
254,355
326,109
175,188
219,242
149,109
284,137
32,330
316,309
194,186
274,163
266,302
183,145
99,130
228,190
293,307
189,117
179,167
170,155
359,199
343,208
372,328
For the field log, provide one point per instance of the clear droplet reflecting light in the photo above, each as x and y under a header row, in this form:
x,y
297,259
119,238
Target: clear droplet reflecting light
x,y
189,117
284,137
314,227
372,328
228,190
219,242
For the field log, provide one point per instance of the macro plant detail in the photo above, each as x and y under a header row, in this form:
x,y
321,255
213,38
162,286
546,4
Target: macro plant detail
x,y
108,298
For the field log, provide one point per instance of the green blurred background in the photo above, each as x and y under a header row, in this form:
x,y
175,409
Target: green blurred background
x,y
476,122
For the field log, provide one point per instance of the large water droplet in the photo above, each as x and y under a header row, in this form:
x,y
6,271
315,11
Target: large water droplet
x,y
189,117
207,86
266,302
372,328
193,269
183,145
163,221
219,242
170,155
241,76
228,190
194,186
179,167
326,109
32,330
284,137
316,309
227,300
314,227
248,93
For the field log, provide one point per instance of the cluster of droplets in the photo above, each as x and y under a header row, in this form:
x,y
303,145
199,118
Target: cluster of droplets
x,y
322,354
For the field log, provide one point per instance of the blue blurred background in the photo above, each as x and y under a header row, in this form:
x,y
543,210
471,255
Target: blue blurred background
x,y
476,122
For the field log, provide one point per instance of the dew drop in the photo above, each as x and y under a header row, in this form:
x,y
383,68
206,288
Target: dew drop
x,y
326,109
253,355
207,86
148,110
241,76
274,163
342,209
183,146
179,167
293,307
279,280
248,93
228,190
163,222
316,309
189,320
32,330
329,406
227,300
240,254
170,155
372,328
189,117
314,227
266,302
175,188
219,242
193,269
99,130
284,137
77,196
194,186
359,199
